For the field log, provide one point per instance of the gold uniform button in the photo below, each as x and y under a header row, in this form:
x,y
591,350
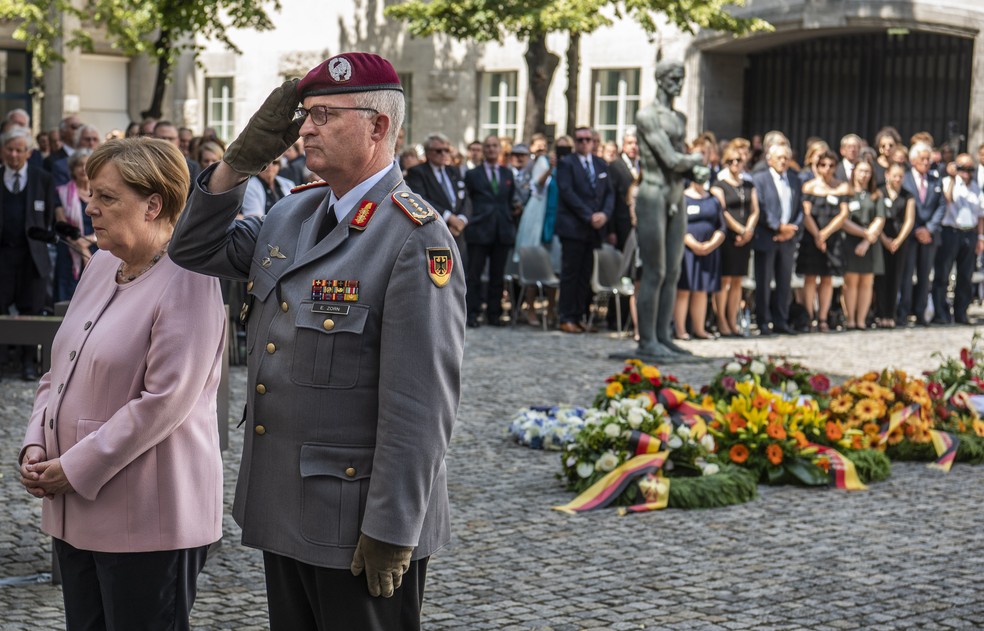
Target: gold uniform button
x,y
260,430
283,306
271,348
350,472
329,324
261,388
87,325
249,286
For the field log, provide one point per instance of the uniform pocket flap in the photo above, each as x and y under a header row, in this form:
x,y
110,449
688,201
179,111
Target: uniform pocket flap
x,y
332,317
346,462
261,284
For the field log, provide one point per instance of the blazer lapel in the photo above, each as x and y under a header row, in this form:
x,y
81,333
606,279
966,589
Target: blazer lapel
x,y
436,184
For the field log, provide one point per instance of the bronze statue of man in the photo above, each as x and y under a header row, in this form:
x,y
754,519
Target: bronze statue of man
x,y
660,224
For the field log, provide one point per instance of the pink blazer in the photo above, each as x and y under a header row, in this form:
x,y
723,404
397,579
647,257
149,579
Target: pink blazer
x,y
129,407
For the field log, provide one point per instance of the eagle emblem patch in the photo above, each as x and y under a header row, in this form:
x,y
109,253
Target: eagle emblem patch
x,y
439,265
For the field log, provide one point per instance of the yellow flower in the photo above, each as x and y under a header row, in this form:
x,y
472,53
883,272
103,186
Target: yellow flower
x,y
613,389
650,372
866,389
842,404
869,409
978,427
707,402
635,362
745,388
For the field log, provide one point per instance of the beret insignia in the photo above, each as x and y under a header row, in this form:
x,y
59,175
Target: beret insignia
x,y
416,208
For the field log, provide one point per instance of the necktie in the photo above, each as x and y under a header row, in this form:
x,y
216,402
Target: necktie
x,y
590,169
16,189
784,199
327,224
494,181
922,188
446,183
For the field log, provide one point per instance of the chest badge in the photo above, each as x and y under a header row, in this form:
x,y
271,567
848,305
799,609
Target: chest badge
x,y
325,290
439,265
275,252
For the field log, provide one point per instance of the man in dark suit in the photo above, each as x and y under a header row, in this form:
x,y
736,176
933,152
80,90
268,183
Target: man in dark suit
x,y
439,183
850,151
57,161
490,232
927,190
624,172
585,205
27,199
775,240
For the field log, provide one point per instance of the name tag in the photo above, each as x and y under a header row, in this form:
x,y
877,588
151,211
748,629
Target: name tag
x,y
888,202
320,307
693,209
602,176
855,205
39,205
833,199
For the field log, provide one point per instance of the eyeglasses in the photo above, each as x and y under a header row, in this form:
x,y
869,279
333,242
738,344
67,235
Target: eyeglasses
x,y
966,168
319,113
733,161
444,150
583,139
825,165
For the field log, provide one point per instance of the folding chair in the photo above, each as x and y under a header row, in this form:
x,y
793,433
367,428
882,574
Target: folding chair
x,y
607,281
535,270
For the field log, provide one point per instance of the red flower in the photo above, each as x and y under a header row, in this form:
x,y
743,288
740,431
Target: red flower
x,y
967,358
942,413
610,379
774,377
819,383
784,371
743,358
728,383
935,389
635,377
671,378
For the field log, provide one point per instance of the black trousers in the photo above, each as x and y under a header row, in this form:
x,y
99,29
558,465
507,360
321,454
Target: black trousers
x,y
956,246
303,597
887,284
774,265
915,298
576,263
478,254
128,591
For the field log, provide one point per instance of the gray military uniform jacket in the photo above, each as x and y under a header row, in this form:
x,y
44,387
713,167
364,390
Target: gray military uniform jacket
x,y
354,355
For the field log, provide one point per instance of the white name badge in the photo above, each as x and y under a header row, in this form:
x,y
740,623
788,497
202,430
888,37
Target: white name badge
x,y
39,205
855,205
833,199
693,209
888,202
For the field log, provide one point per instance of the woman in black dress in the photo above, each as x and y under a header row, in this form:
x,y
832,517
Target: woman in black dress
x,y
862,249
900,216
886,141
820,253
700,273
737,197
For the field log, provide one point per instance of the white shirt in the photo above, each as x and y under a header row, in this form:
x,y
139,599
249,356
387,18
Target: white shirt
x,y
980,176
347,203
967,206
8,177
785,194
848,168
448,186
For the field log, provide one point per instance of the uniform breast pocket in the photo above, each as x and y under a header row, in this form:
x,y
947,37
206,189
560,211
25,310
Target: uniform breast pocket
x,y
258,291
335,484
328,346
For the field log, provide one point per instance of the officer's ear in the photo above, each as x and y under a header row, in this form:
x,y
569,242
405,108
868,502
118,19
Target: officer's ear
x,y
380,127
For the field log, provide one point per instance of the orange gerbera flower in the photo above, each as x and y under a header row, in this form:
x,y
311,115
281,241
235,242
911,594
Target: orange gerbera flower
x,y
715,424
857,441
760,402
801,439
871,429
776,430
896,436
834,431
735,422
868,409
835,391
870,376
774,453
979,427
738,453
866,389
842,404
824,463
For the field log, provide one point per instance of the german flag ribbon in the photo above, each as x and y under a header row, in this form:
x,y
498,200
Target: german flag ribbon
x,y
845,475
946,449
643,443
896,420
683,412
656,490
607,489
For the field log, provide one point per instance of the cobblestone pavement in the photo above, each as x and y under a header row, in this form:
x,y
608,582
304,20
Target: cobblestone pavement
x,y
904,555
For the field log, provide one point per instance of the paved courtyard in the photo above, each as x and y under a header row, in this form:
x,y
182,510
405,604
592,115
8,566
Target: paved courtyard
x,y
907,554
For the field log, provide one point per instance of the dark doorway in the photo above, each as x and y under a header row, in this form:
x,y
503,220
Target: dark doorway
x,y
832,86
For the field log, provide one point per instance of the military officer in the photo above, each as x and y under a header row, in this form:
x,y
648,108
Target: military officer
x,y
355,330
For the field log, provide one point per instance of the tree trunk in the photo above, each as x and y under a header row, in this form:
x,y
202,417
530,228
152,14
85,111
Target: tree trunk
x,y
541,65
573,70
163,43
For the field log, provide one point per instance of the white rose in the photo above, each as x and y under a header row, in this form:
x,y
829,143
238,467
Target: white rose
x,y
612,430
626,405
732,367
607,462
613,408
711,469
684,432
790,386
571,460
585,469
636,417
757,367
674,442
707,442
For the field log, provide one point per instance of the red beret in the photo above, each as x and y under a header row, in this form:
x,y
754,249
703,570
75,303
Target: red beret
x,y
349,72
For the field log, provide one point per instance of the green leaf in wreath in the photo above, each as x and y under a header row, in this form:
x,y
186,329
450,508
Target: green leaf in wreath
x,y
807,472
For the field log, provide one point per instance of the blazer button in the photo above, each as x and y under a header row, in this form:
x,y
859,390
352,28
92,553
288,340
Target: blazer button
x,y
71,356
329,324
271,348
260,388
60,386
283,306
249,286
87,325
260,430
51,423
350,472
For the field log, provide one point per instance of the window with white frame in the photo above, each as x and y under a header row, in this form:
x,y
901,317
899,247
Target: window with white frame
x,y
615,101
499,109
220,106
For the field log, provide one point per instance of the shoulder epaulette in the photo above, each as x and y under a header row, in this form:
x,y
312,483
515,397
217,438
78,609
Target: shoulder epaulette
x,y
309,185
415,207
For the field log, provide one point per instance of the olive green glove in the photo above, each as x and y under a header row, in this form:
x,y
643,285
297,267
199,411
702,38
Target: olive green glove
x,y
268,133
384,563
